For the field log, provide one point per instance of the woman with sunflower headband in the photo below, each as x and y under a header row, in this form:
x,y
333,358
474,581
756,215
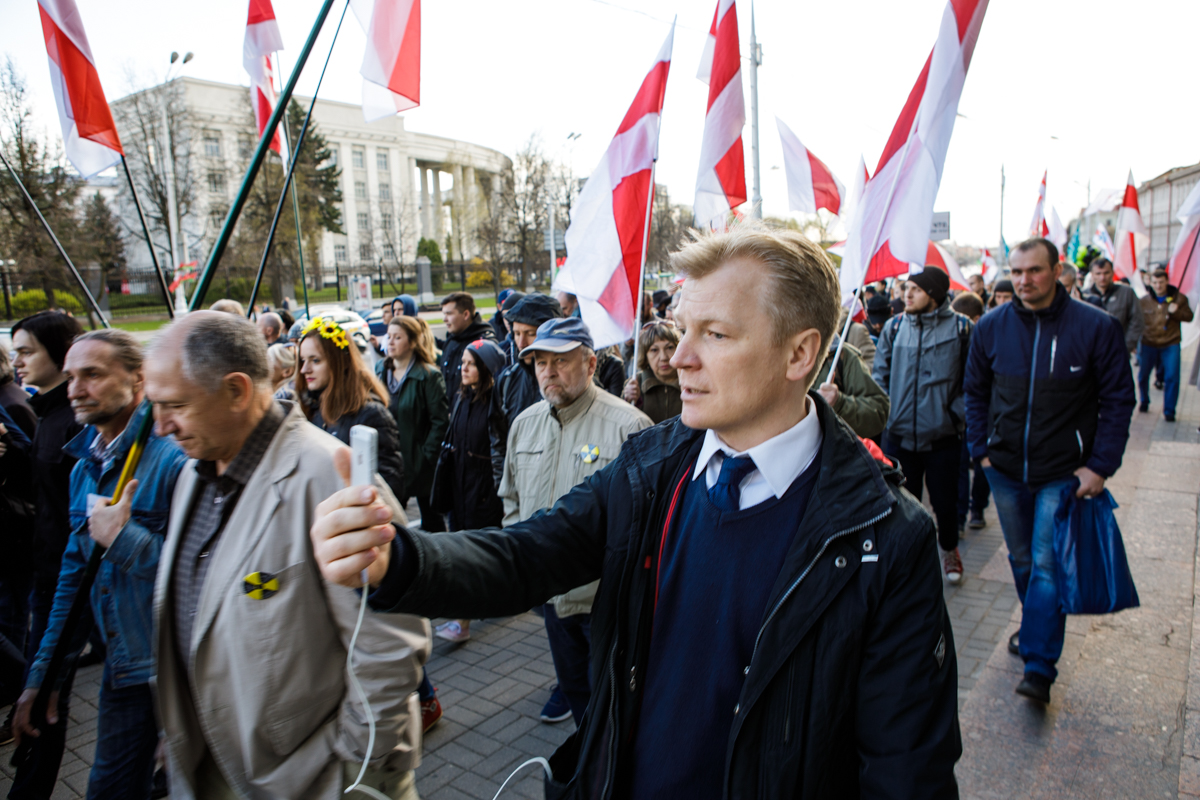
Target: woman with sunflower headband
x,y
338,391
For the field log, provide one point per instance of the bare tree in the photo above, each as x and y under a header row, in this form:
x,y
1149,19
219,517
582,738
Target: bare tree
x,y
669,226
52,185
523,196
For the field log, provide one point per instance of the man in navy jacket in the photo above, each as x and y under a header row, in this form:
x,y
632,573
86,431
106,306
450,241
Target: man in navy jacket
x,y
1049,395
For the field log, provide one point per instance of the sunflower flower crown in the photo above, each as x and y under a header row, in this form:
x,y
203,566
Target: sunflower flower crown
x,y
329,330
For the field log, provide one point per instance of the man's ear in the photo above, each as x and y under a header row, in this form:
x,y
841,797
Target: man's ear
x,y
804,354
239,391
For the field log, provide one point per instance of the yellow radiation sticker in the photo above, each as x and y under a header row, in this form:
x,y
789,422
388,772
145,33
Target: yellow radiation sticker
x,y
260,585
589,453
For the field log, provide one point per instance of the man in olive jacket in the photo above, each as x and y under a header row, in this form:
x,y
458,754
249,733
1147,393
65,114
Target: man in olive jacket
x,y
770,620
853,393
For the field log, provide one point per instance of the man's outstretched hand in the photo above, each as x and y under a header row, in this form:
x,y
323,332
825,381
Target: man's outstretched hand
x,y
352,531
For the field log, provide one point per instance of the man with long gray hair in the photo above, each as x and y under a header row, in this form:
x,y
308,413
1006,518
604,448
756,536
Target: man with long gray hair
x,y
253,684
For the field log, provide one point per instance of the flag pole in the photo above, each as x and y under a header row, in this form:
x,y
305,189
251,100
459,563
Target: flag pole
x,y
87,293
287,181
641,295
296,213
260,153
162,281
871,253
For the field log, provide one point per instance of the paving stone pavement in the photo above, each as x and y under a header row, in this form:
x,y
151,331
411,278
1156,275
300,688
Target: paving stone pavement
x,y
493,686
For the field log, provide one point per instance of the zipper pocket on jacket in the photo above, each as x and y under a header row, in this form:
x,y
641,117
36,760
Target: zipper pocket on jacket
x,y
1053,351
1079,439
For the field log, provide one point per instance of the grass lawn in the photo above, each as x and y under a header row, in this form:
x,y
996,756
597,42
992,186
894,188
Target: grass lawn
x,y
141,325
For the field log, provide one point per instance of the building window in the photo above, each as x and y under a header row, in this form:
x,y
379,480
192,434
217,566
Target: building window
x,y
339,253
385,192
360,190
381,160
389,253
333,156
212,144
245,146
358,157
364,222
216,182
216,218
364,252
386,220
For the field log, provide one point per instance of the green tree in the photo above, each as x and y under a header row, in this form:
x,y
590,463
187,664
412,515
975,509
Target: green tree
x,y
319,194
53,187
103,243
429,248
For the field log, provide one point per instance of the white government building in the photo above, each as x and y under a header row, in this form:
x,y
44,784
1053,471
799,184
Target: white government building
x,y
396,184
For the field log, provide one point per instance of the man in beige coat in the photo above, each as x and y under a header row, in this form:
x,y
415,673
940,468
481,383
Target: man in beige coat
x,y
252,685
553,446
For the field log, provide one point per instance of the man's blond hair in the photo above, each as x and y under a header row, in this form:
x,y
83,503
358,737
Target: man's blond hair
x,y
804,290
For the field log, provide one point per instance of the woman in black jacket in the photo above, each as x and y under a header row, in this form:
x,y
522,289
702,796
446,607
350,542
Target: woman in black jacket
x,y
475,423
418,403
338,392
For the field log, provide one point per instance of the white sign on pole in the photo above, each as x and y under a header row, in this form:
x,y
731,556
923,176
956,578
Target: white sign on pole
x,y
360,292
939,229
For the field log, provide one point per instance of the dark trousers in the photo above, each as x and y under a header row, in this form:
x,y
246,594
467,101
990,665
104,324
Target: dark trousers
x,y
37,776
1166,361
15,587
431,521
127,736
570,647
937,471
973,490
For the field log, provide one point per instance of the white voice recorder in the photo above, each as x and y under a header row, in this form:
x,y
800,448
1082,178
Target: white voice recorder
x,y
364,455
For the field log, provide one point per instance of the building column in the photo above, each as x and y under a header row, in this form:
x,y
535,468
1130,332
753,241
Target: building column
x,y
459,219
408,200
426,218
436,208
471,198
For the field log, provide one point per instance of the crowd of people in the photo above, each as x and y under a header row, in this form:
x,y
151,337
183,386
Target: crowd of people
x,y
777,630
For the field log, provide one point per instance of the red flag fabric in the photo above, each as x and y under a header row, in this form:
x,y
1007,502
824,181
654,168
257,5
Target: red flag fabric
x,y
89,135
721,182
607,234
1038,227
261,41
391,67
811,184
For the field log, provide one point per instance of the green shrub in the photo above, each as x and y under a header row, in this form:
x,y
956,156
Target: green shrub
x,y
32,301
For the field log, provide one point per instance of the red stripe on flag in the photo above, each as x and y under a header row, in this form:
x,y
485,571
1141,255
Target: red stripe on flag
x,y
1130,200
904,124
825,190
405,78
89,108
629,212
260,11
731,172
649,98
1182,275
964,11
726,55
263,114
885,265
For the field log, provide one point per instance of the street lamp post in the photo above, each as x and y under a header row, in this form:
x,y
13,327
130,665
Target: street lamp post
x,y
179,248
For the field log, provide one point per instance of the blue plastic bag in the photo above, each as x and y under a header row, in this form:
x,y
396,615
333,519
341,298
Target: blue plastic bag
x,y
1093,573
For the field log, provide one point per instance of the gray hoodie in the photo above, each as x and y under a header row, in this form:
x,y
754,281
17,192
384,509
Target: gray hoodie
x,y
919,362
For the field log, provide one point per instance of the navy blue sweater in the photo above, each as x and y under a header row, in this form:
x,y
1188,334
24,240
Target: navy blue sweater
x,y
1048,391
715,575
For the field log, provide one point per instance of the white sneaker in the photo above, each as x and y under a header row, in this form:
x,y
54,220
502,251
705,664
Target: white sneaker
x,y
452,631
952,565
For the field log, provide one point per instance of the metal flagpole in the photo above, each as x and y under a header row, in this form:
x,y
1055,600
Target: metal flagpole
x,y
755,60
871,253
162,281
70,265
296,212
262,266
260,153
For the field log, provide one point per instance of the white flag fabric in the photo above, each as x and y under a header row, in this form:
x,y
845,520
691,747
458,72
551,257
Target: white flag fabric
x,y
262,41
1184,269
1132,239
1056,232
89,135
606,238
1038,227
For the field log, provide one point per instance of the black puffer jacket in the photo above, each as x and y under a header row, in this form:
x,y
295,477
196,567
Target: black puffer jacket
x,y
374,415
452,350
52,482
476,459
852,689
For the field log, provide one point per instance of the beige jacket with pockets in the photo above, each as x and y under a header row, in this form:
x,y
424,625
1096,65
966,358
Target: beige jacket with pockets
x,y
272,698
551,451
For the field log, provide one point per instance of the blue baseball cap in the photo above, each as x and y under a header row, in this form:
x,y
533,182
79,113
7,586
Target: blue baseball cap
x,y
560,336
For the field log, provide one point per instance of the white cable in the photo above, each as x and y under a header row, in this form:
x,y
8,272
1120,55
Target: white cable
x,y
362,695
535,760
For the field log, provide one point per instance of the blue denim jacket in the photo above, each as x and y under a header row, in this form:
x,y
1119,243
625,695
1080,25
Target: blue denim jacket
x,y
123,594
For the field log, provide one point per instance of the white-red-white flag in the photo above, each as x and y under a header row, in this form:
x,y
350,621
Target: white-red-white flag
x,y
811,184
1184,270
721,182
1056,232
89,135
391,67
1038,227
991,270
1132,238
262,40
897,206
939,257
606,238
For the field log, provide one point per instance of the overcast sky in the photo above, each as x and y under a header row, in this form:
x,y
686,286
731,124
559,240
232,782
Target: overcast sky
x,y
1113,81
